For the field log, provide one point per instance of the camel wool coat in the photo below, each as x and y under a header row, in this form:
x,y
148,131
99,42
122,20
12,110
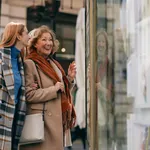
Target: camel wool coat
x,y
46,93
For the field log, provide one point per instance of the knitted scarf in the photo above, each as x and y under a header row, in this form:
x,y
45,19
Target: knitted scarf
x,y
68,111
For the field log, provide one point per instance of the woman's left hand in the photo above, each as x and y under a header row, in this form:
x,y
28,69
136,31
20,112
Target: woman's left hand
x,y
35,86
72,71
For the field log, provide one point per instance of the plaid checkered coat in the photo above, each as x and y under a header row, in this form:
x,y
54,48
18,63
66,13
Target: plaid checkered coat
x,y
7,102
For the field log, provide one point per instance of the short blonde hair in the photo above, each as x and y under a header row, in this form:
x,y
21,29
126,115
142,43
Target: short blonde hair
x,y
10,33
38,33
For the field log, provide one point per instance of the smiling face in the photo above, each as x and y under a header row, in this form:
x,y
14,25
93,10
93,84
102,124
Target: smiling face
x,y
44,45
101,47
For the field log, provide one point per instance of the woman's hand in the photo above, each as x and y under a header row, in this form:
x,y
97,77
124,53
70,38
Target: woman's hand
x,y
59,86
34,86
105,91
72,71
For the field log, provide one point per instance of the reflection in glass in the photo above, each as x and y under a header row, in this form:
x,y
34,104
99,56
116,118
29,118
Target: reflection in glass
x,y
103,84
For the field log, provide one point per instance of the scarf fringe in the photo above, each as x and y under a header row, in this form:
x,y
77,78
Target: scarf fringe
x,y
69,119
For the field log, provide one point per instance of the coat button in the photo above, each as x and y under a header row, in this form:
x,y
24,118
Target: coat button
x,y
50,114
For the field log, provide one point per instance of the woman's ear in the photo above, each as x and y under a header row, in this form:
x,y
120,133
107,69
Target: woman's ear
x,y
18,37
35,45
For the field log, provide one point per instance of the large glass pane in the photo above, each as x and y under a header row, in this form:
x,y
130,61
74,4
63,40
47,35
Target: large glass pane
x,y
104,77
121,74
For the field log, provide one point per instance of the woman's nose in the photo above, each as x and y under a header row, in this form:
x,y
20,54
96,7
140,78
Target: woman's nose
x,y
99,44
51,43
48,42
29,37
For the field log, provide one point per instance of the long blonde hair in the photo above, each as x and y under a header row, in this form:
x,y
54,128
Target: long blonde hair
x,y
10,33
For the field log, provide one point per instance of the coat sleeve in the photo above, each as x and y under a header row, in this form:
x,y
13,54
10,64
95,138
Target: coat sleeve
x,y
71,83
40,94
1,79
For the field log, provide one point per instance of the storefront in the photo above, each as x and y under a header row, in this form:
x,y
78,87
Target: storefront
x,y
117,62
116,105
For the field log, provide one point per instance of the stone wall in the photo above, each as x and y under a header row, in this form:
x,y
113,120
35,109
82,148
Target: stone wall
x,y
16,10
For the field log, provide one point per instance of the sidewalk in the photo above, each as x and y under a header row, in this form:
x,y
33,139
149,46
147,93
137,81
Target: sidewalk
x,y
77,145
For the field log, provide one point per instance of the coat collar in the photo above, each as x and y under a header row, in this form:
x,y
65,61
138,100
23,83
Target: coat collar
x,y
8,72
6,56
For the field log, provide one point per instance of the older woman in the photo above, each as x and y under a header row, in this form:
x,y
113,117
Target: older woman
x,y
53,92
12,94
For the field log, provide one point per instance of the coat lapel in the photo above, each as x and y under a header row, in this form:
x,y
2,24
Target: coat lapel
x,y
8,72
21,68
21,108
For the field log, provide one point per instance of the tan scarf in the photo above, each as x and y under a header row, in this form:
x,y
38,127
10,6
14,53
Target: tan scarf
x,y
68,111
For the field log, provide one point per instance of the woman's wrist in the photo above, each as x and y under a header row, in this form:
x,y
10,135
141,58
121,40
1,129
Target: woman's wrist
x,y
70,79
